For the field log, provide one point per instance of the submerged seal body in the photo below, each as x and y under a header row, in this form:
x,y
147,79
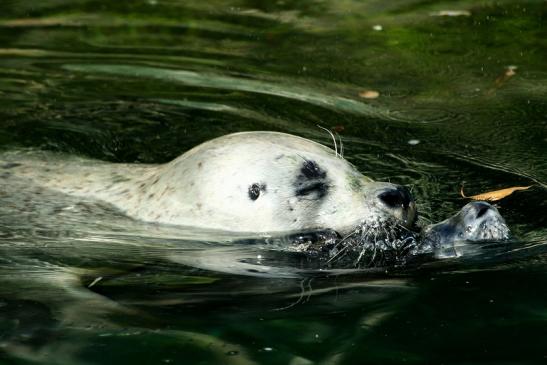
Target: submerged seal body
x,y
246,182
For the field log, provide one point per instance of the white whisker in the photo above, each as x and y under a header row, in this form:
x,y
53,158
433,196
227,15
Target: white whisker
x,y
333,140
341,146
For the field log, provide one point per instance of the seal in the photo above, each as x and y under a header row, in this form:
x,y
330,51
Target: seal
x,y
245,182
476,222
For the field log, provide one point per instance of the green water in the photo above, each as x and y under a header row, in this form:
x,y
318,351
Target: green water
x,y
460,99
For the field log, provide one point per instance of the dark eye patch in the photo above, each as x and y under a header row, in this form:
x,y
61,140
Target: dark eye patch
x,y
320,188
255,190
311,180
311,170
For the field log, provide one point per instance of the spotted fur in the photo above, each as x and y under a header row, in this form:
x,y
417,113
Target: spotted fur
x,y
248,182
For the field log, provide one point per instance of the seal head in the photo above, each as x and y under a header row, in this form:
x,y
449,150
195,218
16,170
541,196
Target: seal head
x,y
475,222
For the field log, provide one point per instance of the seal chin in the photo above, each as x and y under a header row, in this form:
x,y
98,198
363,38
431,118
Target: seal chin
x,y
475,222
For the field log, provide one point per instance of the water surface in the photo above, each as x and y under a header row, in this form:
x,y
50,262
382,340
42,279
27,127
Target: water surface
x,y
461,99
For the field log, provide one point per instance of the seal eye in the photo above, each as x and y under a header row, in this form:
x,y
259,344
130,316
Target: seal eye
x,y
311,170
254,191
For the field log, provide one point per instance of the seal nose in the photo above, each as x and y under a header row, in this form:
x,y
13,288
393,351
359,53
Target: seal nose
x,y
396,197
398,201
479,209
482,210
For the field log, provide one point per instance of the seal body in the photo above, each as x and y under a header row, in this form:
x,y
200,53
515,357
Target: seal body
x,y
246,182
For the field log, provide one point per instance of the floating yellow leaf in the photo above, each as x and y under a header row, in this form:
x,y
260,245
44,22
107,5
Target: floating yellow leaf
x,y
509,72
495,195
502,79
369,94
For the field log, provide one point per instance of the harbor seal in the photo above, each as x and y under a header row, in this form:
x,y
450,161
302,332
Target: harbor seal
x,y
477,221
254,182
267,184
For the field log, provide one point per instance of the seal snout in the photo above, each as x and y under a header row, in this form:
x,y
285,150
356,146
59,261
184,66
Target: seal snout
x,y
479,211
482,210
476,221
397,200
396,197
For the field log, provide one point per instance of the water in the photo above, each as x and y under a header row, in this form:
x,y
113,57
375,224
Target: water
x,y
460,99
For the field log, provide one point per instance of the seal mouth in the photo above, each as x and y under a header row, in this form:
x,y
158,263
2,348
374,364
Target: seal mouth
x,y
493,229
488,230
375,243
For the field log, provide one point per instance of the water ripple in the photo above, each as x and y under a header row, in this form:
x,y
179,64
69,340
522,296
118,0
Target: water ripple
x,y
209,80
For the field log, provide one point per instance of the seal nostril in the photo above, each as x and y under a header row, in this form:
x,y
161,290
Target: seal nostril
x,y
396,197
391,198
407,198
482,210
